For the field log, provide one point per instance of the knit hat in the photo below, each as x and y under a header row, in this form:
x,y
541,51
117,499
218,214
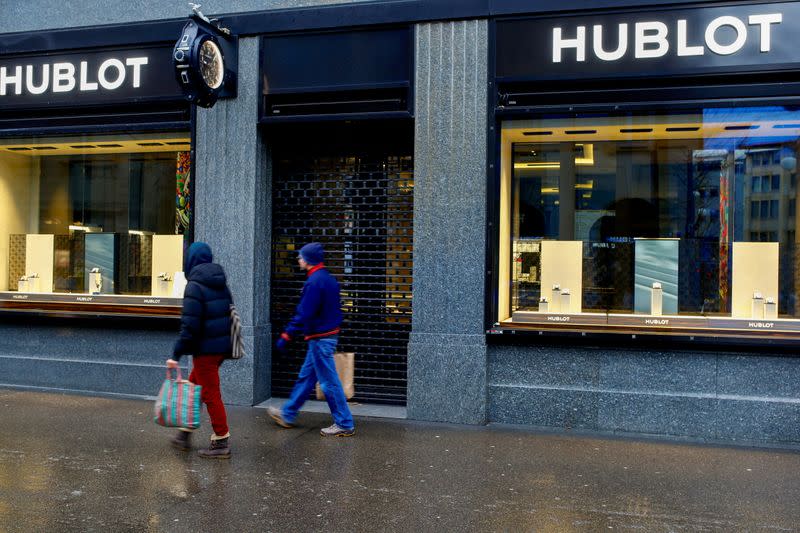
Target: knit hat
x,y
312,253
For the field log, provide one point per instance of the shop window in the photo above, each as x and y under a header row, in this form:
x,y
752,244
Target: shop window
x,y
97,218
611,221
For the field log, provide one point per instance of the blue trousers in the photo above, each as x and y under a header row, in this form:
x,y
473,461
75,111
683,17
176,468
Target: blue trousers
x,y
319,366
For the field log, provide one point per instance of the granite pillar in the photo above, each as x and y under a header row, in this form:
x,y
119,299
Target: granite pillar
x,y
447,348
233,215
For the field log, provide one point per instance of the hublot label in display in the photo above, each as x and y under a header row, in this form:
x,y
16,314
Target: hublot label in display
x,y
761,325
87,78
558,319
700,40
20,297
656,322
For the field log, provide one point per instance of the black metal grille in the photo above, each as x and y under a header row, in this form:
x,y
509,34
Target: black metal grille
x,y
358,202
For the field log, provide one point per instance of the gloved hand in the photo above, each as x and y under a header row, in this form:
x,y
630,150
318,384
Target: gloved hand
x,y
282,344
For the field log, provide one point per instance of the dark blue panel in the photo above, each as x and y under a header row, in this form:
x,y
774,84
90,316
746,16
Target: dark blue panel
x,y
359,59
356,14
527,50
88,78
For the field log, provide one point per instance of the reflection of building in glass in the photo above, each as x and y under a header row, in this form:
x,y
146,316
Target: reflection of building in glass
x,y
703,180
769,196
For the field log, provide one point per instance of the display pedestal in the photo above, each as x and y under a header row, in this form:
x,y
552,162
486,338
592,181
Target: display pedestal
x,y
562,270
755,273
167,258
39,257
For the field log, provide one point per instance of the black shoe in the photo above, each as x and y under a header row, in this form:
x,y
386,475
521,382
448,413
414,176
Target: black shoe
x,y
219,449
182,441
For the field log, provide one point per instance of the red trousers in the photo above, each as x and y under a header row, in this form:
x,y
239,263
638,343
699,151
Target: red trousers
x,y
205,372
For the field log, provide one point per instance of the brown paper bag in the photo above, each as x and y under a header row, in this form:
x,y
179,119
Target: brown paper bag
x,y
345,363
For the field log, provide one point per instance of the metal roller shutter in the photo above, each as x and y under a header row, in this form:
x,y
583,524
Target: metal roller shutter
x,y
353,193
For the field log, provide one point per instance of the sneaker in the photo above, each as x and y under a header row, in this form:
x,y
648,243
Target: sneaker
x,y
277,416
182,441
219,449
336,431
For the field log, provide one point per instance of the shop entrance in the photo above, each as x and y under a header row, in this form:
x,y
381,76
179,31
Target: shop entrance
x,y
351,187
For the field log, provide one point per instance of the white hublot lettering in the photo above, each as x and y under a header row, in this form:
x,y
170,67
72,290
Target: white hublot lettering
x,y
579,44
32,88
85,84
644,36
63,77
683,48
111,84
136,63
622,40
764,22
726,49
6,80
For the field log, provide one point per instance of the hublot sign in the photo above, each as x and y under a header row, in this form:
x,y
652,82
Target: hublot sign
x,y
702,40
88,78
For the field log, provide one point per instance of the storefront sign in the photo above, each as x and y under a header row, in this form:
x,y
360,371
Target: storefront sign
x,y
87,78
651,43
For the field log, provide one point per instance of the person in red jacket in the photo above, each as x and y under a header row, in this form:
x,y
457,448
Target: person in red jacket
x,y
318,317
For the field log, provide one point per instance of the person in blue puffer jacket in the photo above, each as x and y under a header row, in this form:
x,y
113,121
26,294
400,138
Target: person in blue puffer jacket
x,y
317,318
206,335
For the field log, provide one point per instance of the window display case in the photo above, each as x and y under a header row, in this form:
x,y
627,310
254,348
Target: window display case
x,y
93,223
659,223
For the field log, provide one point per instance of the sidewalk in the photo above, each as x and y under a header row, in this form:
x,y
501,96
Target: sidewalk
x,y
76,463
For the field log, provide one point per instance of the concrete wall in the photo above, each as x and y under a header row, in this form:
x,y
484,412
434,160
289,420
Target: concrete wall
x,y
101,357
36,15
711,396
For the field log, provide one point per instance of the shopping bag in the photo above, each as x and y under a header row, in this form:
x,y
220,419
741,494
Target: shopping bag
x,y
237,341
345,365
178,403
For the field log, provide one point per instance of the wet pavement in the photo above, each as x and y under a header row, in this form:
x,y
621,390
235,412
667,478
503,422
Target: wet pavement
x,y
76,463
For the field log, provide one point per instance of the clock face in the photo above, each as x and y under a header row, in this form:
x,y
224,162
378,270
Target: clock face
x,y
212,68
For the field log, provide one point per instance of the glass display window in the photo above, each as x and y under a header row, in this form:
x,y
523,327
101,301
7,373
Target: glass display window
x,y
679,221
94,218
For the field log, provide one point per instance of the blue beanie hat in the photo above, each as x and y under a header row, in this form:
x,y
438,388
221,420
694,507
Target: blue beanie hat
x,y
312,253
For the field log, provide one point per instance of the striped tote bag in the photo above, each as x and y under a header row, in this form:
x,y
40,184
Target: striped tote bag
x,y
178,403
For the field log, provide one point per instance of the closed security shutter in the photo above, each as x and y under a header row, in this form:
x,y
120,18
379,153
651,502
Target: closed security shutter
x,y
351,188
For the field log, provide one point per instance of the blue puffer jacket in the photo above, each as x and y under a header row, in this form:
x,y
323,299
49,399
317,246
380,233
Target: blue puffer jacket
x,y
319,313
205,320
